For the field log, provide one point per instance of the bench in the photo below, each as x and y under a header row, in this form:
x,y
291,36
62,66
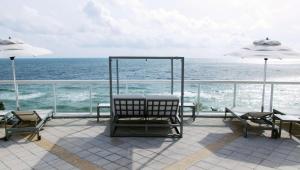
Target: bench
x,y
151,111
101,106
107,106
191,106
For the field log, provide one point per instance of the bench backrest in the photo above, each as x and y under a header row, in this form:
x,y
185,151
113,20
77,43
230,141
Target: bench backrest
x,y
162,106
129,105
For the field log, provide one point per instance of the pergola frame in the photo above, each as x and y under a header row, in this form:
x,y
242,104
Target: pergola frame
x,y
171,58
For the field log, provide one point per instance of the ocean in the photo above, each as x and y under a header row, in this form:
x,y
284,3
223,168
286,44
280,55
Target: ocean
x,y
75,97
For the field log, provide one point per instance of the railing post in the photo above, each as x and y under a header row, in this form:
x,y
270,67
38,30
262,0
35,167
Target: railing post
x,y
126,91
54,97
271,97
91,100
198,99
234,95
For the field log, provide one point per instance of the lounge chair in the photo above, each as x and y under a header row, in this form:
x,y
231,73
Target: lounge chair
x,y
261,118
26,122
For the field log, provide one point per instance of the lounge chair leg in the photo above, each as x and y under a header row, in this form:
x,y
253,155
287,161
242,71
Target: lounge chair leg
x,y
245,132
275,133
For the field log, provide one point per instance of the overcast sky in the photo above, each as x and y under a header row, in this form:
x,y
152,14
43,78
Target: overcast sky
x,y
194,28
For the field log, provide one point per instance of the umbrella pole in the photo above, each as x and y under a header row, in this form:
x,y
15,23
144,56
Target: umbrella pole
x,y
15,82
264,85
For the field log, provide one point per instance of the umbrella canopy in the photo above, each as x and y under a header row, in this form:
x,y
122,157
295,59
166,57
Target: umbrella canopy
x,y
11,48
17,48
266,49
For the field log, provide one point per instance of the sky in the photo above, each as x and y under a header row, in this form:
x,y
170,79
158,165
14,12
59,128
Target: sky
x,y
190,28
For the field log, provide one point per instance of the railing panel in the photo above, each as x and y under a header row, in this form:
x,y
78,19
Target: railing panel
x,y
31,96
286,97
214,97
72,98
83,95
100,94
249,96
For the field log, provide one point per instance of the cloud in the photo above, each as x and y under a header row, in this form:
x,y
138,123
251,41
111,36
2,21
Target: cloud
x,y
150,28
29,20
99,27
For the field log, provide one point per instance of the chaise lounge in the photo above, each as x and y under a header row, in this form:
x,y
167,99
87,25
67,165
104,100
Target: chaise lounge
x,y
261,118
20,122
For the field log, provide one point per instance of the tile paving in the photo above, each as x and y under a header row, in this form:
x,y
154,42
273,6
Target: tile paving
x,y
68,143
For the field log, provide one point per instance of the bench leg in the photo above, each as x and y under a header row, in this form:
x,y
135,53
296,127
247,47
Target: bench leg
x,y
245,131
98,114
290,129
194,113
280,126
225,116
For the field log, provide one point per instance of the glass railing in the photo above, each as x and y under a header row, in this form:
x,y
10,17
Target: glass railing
x,y
82,96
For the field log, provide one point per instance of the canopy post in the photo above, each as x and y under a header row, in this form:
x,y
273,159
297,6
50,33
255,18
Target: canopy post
x,y
117,70
182,97
172,77
15,82
110,96
264,85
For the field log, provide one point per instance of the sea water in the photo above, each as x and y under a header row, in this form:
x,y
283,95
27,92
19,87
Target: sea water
x,y
74,97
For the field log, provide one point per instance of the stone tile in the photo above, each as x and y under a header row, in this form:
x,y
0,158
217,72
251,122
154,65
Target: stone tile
x,y
94,150
204,165
112,157
225,151
194,168
103,153
84,154
270,164
87,140
92,158
293,158
101,162
112,166
123,161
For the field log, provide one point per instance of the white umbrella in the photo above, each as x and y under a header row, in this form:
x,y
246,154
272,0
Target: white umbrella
x,y
266,49
11,48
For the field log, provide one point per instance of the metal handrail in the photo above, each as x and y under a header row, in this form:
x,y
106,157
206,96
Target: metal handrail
x,y
149,81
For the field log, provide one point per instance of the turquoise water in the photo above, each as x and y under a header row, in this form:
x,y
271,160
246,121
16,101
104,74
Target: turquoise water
x,y
75,97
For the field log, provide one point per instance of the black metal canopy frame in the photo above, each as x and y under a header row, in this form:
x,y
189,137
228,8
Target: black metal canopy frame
x,y
171,58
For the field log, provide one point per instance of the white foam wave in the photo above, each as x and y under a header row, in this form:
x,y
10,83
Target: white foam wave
x,y
31,96
74,96
11,96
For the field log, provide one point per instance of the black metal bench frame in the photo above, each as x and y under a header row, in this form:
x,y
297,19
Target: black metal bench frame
x,y
171,58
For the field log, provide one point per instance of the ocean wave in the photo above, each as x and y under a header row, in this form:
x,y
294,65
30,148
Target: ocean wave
x,y
31,96
11,96
74,96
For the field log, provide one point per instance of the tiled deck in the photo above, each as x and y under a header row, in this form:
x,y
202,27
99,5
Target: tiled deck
x,y
207,144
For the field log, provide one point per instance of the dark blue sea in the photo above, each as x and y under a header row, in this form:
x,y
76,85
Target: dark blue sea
x,y
75,97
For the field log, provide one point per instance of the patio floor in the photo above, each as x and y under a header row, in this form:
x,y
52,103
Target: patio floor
x,y
208,143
